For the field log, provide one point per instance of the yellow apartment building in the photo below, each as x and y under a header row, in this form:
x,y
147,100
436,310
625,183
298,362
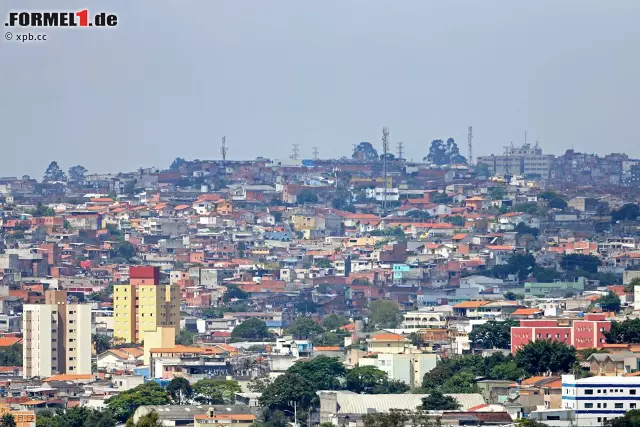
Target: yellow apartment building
x,y
144,304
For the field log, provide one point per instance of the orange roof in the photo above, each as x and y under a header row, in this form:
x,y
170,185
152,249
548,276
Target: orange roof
x,y
178,349
327,348
500,247
34,402
632,374
475,408
9,341
471,304
553,384
527,311
238,417
388,337
459,236
70,377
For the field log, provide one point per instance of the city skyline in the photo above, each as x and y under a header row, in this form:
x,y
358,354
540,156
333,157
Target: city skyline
x,y
325,76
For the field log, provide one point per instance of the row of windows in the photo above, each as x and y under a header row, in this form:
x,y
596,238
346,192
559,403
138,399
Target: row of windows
x,y
632,405
611,390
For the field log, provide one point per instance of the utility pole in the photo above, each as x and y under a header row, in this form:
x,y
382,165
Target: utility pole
x,y
470,142
315,153
223,149
400,150
295,152
385,151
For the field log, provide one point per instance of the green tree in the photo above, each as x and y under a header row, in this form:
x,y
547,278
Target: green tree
x,y
630,419
42,211
124,250
334,321
77,174
304,327
523,228
260,384
234,292
54,173
436,401
543,356
123,405
307,196
493,334
508,371
101,342
456,220
214,392
482,169
365,379
152,419
11,355
251,329
625,332
462,382
325,373
322,263
287,389
609,302
180,390
628,212
328,339
557,203
7,420
530,423
631,286
383,314
177,162
400,418
185,337
573,262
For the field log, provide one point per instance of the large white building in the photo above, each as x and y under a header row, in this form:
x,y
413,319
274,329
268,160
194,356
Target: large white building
x,y
57,337
595,400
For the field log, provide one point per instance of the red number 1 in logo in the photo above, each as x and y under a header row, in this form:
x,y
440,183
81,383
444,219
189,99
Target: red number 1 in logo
x,y
84,17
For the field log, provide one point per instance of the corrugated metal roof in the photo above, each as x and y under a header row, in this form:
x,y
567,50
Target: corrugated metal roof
x,y
353,403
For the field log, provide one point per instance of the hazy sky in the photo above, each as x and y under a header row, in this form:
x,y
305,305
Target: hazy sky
x,y
174,76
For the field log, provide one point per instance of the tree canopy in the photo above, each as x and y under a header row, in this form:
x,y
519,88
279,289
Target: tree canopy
x,y
326,373
123,405
286,389
215,392
307,196
371,380
436,401
11,355
251,329
77,174
304,328
625,332
383,314
628,212
365,151
543,356
609,302
79,416
573,262
445,153
180,390
492,334
54,173
334,321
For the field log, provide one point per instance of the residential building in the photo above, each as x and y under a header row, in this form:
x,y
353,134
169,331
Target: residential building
x,y
580,333
523,160
408,368
57,337
144,304
595,400
554,289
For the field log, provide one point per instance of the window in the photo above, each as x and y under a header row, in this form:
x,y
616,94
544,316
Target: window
x,y
604,405
599,405
632,391
632,405
619,405
588,391
588,405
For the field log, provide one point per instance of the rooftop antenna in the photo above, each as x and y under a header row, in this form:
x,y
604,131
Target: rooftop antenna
x,y
385,151
400,150
224,149
315,153
470,142
295,152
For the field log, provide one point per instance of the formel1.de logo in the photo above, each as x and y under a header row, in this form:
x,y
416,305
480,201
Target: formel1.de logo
x,y
80,18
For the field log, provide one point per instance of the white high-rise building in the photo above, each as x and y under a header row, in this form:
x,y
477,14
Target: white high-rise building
x,y
57,337
595,400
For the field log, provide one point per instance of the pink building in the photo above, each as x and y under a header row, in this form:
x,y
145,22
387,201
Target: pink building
x,y
584,333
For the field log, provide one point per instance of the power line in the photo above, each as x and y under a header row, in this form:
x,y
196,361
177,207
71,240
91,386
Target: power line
x,y
295,152
315,153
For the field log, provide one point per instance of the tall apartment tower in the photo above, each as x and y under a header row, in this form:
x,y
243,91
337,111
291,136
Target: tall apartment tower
x,y
57,337
144,304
